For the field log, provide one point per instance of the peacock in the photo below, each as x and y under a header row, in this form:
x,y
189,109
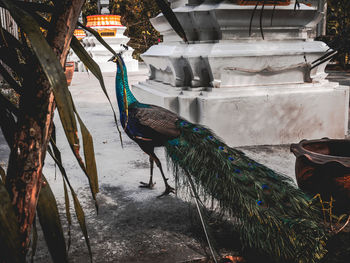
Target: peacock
x,y
273,216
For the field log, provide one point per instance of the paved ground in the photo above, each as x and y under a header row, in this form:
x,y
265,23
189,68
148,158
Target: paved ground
x,y
342,77
133,225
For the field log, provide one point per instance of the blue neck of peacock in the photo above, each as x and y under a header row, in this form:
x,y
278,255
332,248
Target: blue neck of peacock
x,y
119,89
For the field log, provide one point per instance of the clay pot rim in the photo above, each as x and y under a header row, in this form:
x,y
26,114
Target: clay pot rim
x,y
300,151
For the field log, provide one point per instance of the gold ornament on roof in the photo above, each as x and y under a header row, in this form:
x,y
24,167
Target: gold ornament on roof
x,y
103,20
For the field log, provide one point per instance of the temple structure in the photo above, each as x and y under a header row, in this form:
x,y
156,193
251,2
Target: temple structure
x,y
248,77
112,31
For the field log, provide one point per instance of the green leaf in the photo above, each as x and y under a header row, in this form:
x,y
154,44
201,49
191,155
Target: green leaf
x,y
68,215
53,137
57,155
78,210
32,6
92,66
51,224
89,155
81,220
172,19
40,20
10,244
95,69
56,151
90,169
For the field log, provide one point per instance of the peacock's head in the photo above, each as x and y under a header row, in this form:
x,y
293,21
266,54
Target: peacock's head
x,y
118,56
114,58
117,59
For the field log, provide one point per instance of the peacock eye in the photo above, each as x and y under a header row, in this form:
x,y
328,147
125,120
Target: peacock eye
x,y
183,123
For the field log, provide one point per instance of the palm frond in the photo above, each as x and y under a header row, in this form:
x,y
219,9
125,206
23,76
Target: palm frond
x,y
50,222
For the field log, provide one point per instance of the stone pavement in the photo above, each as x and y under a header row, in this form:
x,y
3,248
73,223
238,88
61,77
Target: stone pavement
x,y
339,76
132,225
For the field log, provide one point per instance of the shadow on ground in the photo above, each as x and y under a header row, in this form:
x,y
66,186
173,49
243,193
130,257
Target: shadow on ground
x,y
157,230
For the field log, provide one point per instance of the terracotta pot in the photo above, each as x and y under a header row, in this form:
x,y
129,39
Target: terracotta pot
x,y
323,166
69,71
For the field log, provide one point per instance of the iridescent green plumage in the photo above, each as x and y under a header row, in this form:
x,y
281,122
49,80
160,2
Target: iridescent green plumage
x,y
274,217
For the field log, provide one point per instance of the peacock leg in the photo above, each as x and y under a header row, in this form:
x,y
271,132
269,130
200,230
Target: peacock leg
x,y
150,184
168,188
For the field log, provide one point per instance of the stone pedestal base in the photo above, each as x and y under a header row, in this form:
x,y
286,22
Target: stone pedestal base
x,y
258,115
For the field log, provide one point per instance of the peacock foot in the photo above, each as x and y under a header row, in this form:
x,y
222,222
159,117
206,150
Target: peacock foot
x,y
168,190
149,185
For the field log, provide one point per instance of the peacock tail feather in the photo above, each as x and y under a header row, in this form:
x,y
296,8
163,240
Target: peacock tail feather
x,y
273,216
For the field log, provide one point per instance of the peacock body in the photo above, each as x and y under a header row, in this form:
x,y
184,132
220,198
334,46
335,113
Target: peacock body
x,y
274,216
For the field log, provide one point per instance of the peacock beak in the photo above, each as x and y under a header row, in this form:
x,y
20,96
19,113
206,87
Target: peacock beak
x,y
111,59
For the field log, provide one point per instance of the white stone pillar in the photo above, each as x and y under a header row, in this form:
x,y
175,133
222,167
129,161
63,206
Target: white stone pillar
x,y
247,89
